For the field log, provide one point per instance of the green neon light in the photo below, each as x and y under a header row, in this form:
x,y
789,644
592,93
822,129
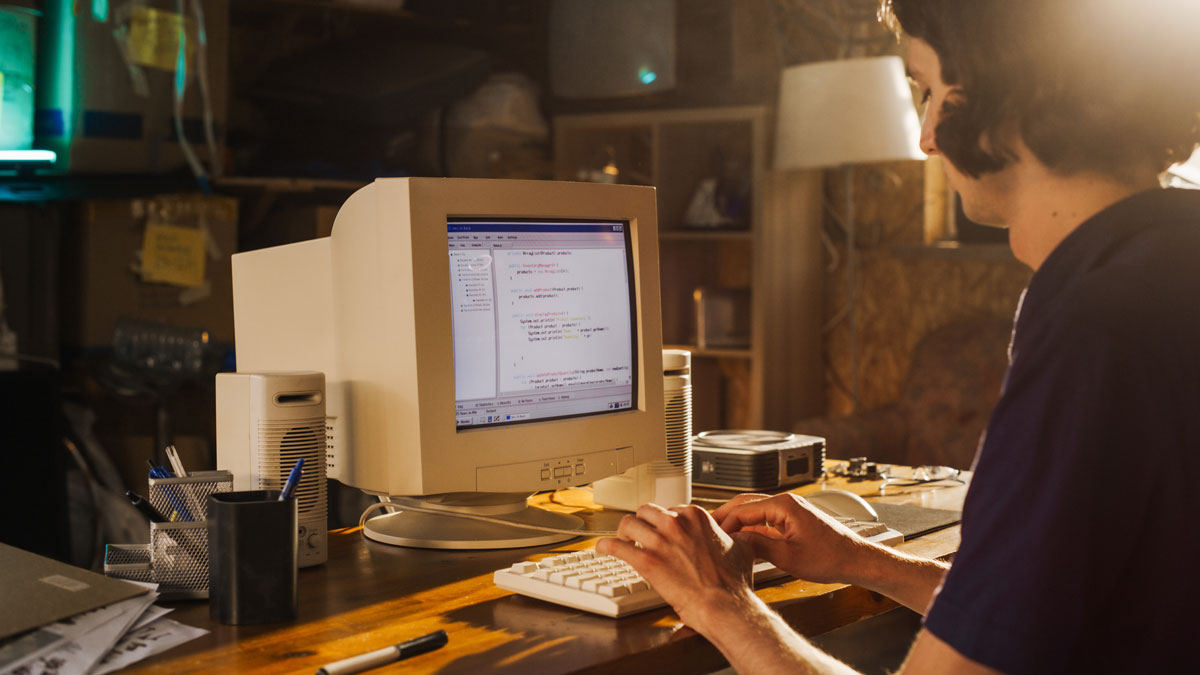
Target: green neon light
x,y
27,155
100,10
56,58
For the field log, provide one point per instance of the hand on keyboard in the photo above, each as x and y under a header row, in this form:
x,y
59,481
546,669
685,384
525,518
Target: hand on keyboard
x,y
800,538
684,555
682,550
589,581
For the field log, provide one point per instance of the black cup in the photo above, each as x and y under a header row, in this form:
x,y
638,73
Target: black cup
x,y
252,557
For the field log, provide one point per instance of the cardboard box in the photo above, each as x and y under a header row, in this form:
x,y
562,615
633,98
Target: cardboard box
x,y
103,268
106,78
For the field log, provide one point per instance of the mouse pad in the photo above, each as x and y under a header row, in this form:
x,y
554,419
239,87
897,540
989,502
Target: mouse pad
x,y
914,521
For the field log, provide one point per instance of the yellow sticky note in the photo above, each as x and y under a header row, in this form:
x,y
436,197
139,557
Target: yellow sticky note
x,y
154,38
173,255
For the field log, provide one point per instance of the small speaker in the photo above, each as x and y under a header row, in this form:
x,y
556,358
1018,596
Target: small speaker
x,y
666,482
267,421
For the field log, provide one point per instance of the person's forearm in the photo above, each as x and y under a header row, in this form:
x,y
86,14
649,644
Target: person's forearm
x,y
757,640
909,580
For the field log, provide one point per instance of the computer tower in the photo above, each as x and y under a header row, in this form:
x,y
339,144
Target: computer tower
x,y
265,423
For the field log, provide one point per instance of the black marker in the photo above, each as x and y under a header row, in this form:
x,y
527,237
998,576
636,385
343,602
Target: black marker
x,y
139,502
356,664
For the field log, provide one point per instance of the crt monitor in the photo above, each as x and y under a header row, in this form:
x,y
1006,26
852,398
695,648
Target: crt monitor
x,y
481,340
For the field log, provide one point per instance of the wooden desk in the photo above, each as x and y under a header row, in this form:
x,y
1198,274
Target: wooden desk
x,y
371,595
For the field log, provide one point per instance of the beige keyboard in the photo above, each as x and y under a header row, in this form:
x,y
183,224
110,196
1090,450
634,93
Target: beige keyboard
x,y
609,586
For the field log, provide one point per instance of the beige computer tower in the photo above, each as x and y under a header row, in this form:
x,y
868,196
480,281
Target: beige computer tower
x,y
267,421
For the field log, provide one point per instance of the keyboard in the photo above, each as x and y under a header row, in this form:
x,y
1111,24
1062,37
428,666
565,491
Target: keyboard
x,y
609,586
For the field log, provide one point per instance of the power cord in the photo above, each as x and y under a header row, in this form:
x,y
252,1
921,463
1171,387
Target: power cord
x,y
486,519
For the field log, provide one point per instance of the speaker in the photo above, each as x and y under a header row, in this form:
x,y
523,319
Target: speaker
x,y
665,482
267,421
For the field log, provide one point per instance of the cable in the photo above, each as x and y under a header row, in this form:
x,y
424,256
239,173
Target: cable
x,y
486,519
205,97
709,500
180,87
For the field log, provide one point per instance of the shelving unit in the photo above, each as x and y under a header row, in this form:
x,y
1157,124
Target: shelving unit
x,y
770,256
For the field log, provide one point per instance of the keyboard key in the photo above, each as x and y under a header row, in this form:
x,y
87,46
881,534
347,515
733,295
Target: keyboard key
x,y
612,590
524,567
577,581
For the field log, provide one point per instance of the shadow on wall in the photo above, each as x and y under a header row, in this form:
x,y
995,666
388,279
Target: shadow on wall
x,y
943,406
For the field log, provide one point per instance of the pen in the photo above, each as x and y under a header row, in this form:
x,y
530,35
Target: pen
x,y
357,664
293,480
160,472
139,502
176,463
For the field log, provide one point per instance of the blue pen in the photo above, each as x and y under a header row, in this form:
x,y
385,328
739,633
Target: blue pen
x,y
171,491
293,480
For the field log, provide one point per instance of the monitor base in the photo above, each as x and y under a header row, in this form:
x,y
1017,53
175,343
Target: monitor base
x,y
417,529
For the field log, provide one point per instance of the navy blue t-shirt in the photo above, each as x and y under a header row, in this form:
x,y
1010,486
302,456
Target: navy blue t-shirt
x,y
1081,529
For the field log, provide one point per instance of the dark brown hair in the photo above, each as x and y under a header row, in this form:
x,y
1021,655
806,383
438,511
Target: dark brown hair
x,y
1106,86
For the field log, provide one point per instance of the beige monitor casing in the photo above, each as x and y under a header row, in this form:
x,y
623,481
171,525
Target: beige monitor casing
x,y
370,307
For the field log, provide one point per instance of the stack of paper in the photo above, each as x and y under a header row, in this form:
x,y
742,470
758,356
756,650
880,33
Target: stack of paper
x,y
63,619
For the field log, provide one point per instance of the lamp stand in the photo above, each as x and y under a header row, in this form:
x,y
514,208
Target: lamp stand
x,y
851,283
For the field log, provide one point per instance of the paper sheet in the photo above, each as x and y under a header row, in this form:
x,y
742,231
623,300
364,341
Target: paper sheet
x,y
153,638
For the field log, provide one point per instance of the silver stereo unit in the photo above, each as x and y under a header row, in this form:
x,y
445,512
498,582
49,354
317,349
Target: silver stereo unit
x,y
756,460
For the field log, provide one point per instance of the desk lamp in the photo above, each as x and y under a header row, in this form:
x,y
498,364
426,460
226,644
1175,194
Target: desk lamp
x,y
842,113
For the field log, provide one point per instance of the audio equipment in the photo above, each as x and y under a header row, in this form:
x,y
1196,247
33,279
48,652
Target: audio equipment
x,y
666,482
265,423
756,460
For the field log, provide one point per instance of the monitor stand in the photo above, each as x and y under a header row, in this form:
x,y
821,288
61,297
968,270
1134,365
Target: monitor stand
x,y
418,529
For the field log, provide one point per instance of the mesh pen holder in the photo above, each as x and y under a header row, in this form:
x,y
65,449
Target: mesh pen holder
x,y
128,561
186,499
179,549
179,558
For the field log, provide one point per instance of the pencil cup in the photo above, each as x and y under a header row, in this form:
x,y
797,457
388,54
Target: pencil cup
x,y
186,498
252,557
179,558
179,548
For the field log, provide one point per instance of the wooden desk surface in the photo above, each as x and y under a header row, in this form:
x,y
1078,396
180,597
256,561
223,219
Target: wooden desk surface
x,y
371,595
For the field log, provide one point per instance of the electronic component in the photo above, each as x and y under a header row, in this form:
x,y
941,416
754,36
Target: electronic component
x,y
756,460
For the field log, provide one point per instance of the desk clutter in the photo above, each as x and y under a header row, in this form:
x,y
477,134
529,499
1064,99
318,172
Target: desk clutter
x,y
76,621
177,556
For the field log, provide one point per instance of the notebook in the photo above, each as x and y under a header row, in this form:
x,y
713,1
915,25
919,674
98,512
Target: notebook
x,y
46,590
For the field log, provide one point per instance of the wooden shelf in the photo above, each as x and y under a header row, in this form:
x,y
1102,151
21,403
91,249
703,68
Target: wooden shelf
x,y
702,235
723,353
775,254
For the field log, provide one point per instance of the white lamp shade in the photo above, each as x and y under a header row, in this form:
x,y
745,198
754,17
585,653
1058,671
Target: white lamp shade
x,y
853,111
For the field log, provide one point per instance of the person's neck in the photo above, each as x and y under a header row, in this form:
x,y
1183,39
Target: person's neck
x,y
1051,206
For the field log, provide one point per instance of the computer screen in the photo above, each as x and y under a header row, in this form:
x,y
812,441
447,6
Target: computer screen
x,y
543,319
478,337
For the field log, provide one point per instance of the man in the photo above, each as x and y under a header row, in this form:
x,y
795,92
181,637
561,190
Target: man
x,y
1080,535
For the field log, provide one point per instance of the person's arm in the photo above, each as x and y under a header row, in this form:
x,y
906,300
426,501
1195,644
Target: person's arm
x,y
699,570
796,537
704,575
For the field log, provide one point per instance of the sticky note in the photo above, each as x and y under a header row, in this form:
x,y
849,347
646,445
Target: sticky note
x,y
154,38
173,255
